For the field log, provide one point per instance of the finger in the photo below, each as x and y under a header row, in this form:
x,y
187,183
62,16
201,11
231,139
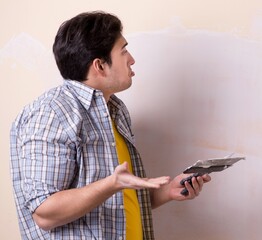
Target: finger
x,y
196,185
160,180
156,182
206,178
141,183
191,191
200,181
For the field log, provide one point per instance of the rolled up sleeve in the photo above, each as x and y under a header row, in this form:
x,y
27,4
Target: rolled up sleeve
x,y
48,158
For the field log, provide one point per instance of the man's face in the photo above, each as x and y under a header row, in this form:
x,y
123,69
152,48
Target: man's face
x,y
119,74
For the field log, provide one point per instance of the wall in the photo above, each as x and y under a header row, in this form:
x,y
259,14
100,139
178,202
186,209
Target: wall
x,y
196,94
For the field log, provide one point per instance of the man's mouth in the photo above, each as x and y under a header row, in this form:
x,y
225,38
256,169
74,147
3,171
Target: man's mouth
x,y
132,73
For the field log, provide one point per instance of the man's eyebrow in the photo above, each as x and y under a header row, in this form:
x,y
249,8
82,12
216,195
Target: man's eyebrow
x,y
125,45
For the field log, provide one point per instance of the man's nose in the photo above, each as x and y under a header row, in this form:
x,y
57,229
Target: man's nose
x,y
132,60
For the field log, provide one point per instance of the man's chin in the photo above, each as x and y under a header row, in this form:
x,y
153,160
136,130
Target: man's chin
x,y
126,86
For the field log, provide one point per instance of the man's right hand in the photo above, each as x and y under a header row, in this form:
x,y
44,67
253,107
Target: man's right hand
x,y
125,179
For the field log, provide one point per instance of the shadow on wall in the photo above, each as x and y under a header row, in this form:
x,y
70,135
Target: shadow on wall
x,y
197,95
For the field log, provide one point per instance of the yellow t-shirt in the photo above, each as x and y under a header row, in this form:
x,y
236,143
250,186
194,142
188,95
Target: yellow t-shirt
x,y
132,209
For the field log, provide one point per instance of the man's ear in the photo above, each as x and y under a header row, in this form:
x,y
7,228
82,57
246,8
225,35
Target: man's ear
x,y
98,65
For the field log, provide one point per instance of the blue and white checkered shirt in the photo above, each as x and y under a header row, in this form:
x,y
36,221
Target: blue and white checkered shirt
x,y
65,140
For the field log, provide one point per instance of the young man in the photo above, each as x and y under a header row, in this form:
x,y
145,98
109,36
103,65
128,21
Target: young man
x,y
76,171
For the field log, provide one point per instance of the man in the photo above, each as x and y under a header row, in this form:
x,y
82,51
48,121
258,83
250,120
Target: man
x,y
76,171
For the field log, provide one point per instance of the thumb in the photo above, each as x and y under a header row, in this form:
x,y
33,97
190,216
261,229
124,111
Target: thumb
x,y
122,167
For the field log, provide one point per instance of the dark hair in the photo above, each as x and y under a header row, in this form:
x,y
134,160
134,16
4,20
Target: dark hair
x,y
82,39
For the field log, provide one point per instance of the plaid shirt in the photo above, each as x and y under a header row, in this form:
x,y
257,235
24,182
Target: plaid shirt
x,y
65,140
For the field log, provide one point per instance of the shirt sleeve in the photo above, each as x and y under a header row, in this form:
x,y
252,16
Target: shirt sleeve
x,y
48,157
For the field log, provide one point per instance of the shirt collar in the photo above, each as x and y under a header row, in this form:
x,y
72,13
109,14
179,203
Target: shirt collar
x,y
81,91
85,94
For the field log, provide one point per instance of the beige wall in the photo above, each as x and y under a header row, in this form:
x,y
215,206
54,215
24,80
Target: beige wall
x,y
201,59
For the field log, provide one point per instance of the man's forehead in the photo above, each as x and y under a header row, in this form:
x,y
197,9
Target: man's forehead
x,y
121,42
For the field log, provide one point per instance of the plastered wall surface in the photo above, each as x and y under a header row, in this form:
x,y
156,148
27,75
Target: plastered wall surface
x,y
201,102
196,95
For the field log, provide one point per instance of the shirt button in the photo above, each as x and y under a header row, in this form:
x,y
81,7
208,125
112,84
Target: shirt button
x,y
97,94
113,144
121,206
120,238
105,114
